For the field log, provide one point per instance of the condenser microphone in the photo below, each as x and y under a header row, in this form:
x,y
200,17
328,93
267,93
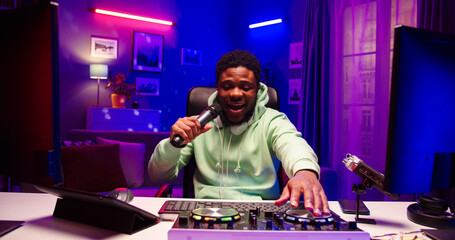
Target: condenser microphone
x,y
372,178
210,113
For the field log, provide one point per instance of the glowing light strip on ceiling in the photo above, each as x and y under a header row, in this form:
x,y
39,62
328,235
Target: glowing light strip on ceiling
x,y
129,16
266,23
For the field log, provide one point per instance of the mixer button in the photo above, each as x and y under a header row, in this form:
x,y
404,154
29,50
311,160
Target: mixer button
x,y
211,224
336,225
269,224
178,205
290,218
169,206
254,221
317,225
197,223
276,216
230,224
304,225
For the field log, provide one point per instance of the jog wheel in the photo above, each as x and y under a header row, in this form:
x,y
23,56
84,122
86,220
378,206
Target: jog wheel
x,y
303,215
219,215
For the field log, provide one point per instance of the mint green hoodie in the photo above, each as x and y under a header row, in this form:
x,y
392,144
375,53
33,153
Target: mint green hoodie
x,y
238,162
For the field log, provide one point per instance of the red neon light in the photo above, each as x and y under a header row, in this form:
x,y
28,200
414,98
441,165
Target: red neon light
x,y
124,15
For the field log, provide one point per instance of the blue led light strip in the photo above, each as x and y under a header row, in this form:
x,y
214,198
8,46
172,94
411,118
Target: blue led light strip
x,y
261,24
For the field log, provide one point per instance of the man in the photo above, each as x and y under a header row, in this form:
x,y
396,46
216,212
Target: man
x,y
234,153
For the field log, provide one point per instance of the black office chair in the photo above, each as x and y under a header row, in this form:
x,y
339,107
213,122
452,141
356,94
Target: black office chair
x,y
197,101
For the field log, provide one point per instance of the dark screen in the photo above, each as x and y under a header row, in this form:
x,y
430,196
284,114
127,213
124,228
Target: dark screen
x,y
421,137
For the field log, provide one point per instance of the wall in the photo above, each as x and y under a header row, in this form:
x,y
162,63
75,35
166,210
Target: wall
x,y
203,25
271,43
214,27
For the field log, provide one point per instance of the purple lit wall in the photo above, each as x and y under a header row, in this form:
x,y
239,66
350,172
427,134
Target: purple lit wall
x,y
271,43
202,25
214,27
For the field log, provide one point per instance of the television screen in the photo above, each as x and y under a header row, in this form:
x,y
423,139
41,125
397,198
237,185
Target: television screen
x,y
421,136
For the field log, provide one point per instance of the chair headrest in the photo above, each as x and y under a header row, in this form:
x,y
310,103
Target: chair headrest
x,y
198,97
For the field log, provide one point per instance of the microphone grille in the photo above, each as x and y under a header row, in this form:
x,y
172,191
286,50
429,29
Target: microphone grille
x,y
216,107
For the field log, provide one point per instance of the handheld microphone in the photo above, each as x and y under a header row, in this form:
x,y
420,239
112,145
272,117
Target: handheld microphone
x,y
372,178
210,113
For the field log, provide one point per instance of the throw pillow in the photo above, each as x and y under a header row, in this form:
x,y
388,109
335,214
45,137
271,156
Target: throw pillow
x,y
132,160
92,168
65,143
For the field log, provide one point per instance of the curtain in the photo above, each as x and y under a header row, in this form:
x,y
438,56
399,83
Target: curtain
x,y
346,77
363,41
436,15
313,119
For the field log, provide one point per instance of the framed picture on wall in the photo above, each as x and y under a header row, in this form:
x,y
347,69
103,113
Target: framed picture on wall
x,y
104,47
191,57
148,86
148,52
295,91
296,55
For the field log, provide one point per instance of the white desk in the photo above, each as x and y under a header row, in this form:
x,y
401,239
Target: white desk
x,y
36,210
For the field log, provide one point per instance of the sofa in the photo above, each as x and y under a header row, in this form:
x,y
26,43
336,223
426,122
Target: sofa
x,y
147,140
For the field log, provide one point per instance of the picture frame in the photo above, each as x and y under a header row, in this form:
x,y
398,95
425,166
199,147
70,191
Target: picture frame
x,y
148,86
296,55
295,91
147,52
191,57
103,47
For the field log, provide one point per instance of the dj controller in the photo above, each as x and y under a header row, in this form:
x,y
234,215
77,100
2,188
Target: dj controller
x,y
247,220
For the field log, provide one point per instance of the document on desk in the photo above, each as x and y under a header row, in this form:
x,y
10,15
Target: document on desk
x,y
8,226
417,235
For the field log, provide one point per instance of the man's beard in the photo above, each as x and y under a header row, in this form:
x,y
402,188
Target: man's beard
x,y
247,117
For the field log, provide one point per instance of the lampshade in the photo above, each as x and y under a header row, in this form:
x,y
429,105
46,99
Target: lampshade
x,y
98,71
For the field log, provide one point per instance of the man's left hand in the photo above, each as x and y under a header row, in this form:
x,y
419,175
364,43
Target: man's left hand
x,y
305,182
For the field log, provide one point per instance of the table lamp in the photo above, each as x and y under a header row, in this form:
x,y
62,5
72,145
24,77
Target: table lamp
x,y
98,71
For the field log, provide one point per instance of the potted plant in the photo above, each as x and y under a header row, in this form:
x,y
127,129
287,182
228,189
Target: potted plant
x,y
122,90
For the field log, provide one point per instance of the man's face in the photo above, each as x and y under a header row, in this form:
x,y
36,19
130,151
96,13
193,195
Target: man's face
x,y
237,90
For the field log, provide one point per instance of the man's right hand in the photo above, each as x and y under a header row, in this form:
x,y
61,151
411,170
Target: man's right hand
x,y
188,128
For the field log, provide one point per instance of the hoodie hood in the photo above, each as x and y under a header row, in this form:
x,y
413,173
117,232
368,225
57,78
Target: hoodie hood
x,y
262,99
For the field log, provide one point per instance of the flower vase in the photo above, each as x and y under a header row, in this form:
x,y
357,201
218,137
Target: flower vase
x,y
118,101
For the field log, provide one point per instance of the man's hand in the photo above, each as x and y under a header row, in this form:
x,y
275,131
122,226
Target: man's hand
x,y
188,128
305,182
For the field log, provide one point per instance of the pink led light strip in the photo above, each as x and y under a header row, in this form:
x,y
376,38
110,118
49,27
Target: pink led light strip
x,y
129,16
